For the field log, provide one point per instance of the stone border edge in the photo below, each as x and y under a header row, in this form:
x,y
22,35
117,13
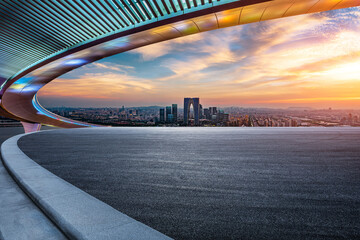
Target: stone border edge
x,y
76,213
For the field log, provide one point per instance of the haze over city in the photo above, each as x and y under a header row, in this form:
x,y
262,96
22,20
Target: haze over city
x,y
308,60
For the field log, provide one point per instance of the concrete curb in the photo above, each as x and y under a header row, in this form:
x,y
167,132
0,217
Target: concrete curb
x,y
76,213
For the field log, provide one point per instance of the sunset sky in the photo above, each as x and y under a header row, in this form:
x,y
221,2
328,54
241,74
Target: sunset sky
x,y
309,60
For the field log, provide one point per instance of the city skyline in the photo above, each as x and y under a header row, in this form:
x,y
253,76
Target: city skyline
x,y
195,114
302,61
207,106
213,116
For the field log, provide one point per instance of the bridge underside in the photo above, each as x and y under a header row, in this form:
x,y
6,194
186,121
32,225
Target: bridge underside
x,y
18,92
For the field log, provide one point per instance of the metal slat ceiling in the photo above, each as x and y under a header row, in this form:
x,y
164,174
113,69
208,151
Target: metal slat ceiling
x,y
33,30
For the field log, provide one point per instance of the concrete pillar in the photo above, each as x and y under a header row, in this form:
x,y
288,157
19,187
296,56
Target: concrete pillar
x,y
31,127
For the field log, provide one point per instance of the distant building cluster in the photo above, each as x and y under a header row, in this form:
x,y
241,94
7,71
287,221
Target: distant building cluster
x,y
214,116
292,117
193,114
169,114
143,116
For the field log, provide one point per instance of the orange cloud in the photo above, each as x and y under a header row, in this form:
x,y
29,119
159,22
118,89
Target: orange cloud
x,y
311,60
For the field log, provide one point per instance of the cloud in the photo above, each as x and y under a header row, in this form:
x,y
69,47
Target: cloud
x,y
95,86
112,66
157,50
278,61
326,64
153,51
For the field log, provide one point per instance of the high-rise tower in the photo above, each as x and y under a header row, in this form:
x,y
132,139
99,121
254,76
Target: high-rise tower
x,y
168,117
162,115
174,112
196,105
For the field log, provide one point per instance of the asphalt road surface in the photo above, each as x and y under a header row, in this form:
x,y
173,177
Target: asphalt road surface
x,y
216,183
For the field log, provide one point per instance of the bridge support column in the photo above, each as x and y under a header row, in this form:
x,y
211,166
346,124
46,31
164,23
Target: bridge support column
x,y
31,127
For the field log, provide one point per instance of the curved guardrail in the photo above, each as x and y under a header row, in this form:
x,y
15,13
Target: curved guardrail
x,y
76,213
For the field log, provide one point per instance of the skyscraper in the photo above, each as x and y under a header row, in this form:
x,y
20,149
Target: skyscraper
x,y
207,113
196,106
213,110
168,113
174,112
162,115
170,118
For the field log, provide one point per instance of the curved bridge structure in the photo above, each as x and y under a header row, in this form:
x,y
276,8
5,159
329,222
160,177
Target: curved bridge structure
x,y
42,39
